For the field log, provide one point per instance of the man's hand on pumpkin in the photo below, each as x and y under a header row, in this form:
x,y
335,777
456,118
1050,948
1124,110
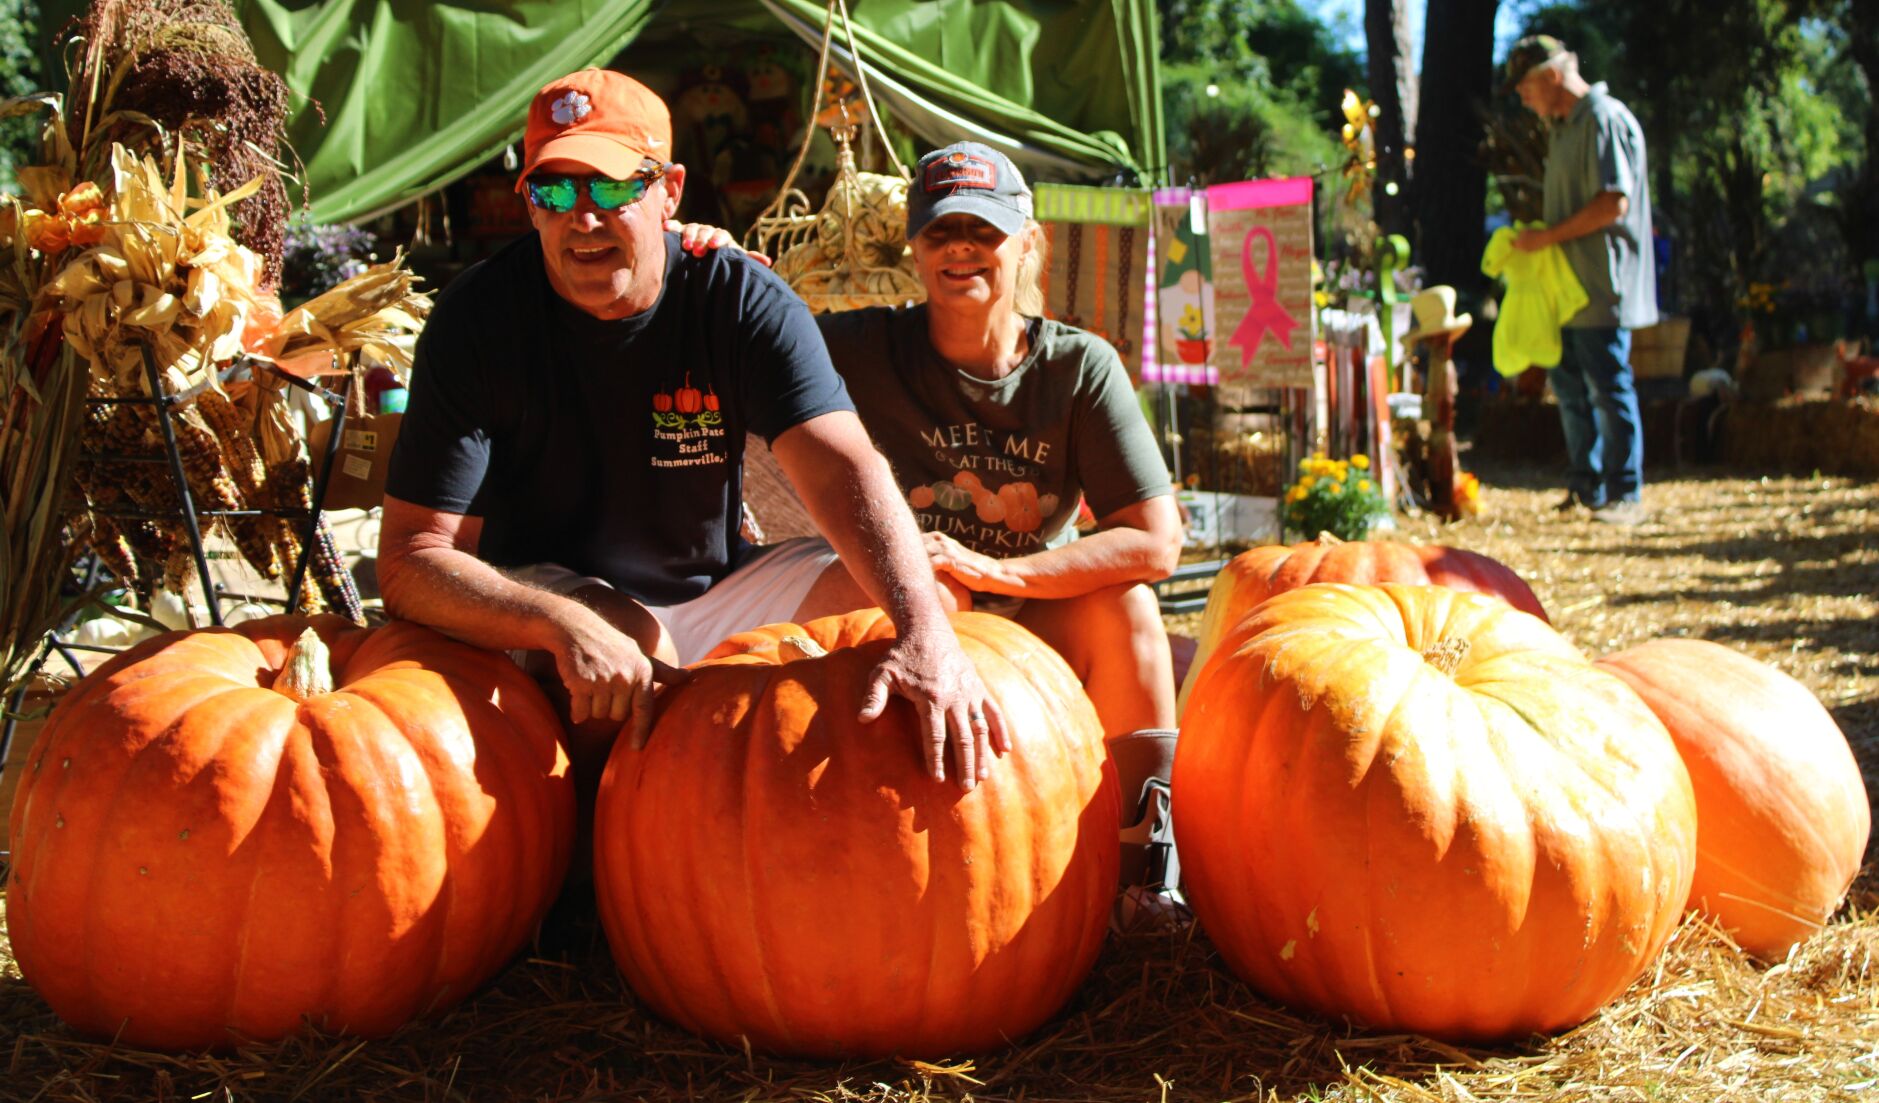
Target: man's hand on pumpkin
x,y
954,707
697,238
609,678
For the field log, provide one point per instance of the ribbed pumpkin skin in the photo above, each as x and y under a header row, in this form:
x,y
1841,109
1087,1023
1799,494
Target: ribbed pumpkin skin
x,y
1471,856
770,867
198,856
1782,813
1253,576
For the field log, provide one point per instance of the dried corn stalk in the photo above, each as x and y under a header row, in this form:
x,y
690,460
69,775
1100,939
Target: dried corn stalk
x,y
42,392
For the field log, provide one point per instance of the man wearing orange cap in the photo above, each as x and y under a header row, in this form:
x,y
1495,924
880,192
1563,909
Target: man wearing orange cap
x,y
567,477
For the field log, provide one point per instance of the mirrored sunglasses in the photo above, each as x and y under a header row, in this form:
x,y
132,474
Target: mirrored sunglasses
x,y
558,194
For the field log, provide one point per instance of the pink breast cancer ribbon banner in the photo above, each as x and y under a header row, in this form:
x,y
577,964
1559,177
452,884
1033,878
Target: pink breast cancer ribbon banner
x,y
1259,234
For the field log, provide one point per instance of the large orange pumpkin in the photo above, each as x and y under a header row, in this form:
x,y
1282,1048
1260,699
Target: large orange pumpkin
x,y
1782,814
770,868
1425,810
210,844
1253,576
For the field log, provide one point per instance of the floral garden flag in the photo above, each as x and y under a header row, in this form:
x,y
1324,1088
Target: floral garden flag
x,y
1260,237
1184,286
1098,241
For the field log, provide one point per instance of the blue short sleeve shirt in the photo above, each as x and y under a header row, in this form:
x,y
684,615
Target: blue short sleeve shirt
x,y
1599,147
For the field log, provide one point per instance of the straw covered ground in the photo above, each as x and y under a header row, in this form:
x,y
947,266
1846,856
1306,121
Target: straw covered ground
x,y
1786,569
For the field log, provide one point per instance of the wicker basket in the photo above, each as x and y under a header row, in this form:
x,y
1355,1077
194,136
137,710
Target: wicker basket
x,y
853,252
1657,352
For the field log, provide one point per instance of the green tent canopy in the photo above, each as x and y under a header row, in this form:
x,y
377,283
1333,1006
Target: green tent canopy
x,y
416,94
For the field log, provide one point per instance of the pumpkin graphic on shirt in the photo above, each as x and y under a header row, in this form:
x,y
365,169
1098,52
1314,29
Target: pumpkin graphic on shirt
x,y
1022,510
688,399
950,496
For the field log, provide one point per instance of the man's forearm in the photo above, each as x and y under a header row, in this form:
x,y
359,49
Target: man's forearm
x,y
850,493
1604,209
878,540
467,599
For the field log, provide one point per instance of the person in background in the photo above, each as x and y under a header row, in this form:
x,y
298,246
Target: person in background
x,y
1597,205
566,481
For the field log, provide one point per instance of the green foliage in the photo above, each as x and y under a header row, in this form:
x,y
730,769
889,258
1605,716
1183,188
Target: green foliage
x,y
1279,74
1245,131
1336,496
19,74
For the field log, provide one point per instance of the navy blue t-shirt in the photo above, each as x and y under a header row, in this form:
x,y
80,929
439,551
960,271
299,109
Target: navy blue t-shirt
x,y
614,448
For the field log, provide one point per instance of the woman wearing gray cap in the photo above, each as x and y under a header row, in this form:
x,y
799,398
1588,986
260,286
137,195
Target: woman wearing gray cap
x,y
997,422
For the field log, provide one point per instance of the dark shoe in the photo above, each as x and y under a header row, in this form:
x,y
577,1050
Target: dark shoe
x,y
1569,504
1626,511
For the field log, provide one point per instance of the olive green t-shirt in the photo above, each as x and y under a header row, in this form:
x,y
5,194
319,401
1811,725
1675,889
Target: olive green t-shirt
x,y
998,465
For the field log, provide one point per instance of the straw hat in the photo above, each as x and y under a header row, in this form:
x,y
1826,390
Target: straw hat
x,y
1434,309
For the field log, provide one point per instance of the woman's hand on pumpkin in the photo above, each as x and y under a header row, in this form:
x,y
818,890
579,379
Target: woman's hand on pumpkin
x,y
697,238
931,671
974,570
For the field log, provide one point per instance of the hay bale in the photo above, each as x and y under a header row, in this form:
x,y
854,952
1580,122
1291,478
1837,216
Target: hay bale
x,y
1804,435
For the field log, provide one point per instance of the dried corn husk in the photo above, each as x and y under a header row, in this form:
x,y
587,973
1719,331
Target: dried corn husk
x,y
374,316
163,277
165,281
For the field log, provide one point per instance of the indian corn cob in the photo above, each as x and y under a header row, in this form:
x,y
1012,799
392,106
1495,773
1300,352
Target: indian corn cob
x,y
257,537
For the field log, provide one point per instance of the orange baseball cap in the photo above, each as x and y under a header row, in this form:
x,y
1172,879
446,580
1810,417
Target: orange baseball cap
x,y
599,118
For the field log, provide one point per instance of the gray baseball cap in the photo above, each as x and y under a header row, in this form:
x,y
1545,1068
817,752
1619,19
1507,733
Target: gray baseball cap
x,y
1530,52
968,178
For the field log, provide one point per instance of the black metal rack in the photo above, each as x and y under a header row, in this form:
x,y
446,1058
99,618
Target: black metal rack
x,y
186,506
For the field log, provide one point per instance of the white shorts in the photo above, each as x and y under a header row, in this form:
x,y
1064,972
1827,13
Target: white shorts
x,y
767,587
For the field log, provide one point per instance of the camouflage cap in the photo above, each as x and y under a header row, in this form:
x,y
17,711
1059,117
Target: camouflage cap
x,y
1535,49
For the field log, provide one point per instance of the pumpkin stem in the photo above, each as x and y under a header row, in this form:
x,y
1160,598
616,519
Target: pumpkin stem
x,y
791,648
1329,538
308,670
1447,655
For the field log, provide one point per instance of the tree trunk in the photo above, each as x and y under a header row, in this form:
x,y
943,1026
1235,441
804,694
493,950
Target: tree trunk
x,y
1861,221
1393,88
1450,181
